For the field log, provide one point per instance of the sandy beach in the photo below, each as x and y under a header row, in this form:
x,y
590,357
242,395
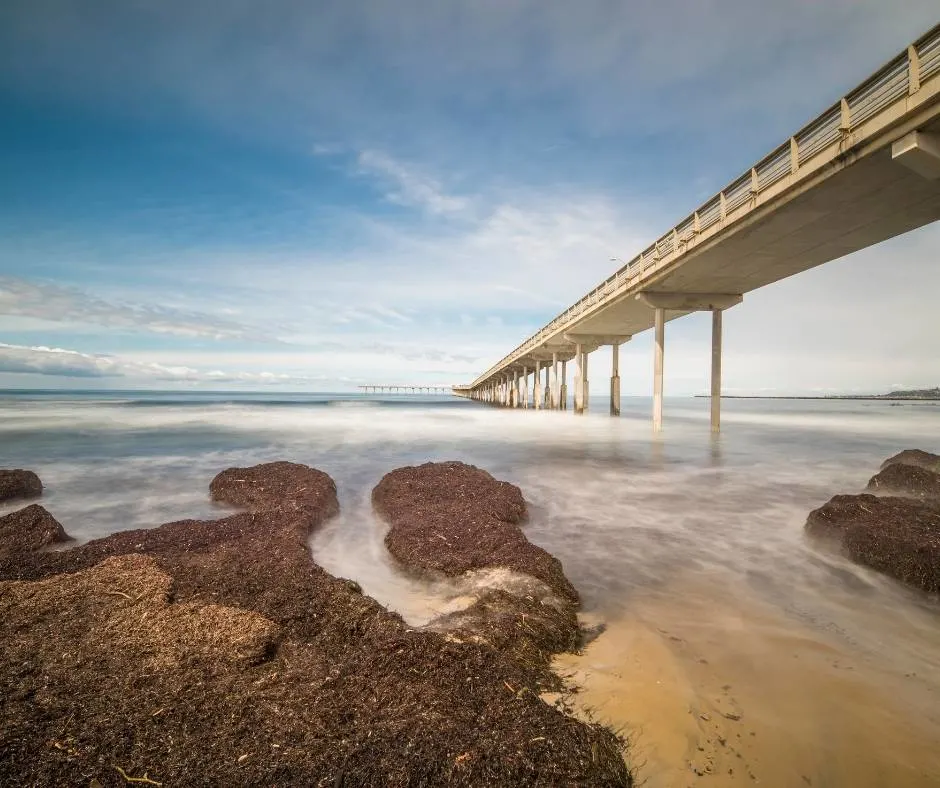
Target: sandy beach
x,y
712,688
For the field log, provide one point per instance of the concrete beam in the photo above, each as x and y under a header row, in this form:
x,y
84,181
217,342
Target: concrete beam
x,y
594,341
548,355
690,302
919,151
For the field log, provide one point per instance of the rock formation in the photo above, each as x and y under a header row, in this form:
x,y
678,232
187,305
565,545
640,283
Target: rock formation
x,y
28,530
18,483
219,653
918,457
895,534
911,480
457,519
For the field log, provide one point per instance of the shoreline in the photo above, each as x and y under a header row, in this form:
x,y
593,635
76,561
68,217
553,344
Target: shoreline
x,y
700,695
858,397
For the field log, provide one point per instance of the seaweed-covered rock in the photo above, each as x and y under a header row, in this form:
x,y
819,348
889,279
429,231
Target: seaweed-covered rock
x,y
219,653
903,479
275,486
453,518
918,457
459,520
28,530
19,484
897,536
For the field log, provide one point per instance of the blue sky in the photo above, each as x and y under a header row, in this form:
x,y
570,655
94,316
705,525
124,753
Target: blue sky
x,y
315,195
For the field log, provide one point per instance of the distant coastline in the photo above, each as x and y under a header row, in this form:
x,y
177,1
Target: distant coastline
x,y
911,395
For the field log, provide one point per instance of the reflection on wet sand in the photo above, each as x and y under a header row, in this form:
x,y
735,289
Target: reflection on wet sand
x,y
714,687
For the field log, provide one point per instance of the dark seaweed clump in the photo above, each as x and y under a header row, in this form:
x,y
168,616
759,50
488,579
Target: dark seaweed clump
x,y
899,533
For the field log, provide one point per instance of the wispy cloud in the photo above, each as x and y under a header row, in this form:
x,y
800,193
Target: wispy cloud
x,y
59,362
407,186
58,304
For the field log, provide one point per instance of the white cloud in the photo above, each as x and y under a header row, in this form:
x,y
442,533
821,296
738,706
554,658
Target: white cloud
x,y
57,304
59,362
409,187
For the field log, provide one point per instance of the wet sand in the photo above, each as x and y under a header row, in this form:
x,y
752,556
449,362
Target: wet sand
x,y
713,687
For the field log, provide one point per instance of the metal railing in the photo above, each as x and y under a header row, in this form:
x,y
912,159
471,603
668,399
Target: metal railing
x,y
901,77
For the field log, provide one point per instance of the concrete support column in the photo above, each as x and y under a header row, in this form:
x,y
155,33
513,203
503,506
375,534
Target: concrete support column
x,y
577,379
525,387
563,387
514,390
615,379
547,388
581,387
585,385
660,322
537,387
716,370
553,402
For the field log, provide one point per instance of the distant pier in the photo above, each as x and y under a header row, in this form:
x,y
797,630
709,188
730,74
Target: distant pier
x,y
389,389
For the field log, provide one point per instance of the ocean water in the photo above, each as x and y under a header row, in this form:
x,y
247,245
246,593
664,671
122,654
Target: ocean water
x,y
632,516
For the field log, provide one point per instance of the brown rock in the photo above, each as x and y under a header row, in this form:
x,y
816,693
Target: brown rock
x,y
219,653
918,457
276,486
903,479
28,530
452,518
897,536
19,484
455,518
